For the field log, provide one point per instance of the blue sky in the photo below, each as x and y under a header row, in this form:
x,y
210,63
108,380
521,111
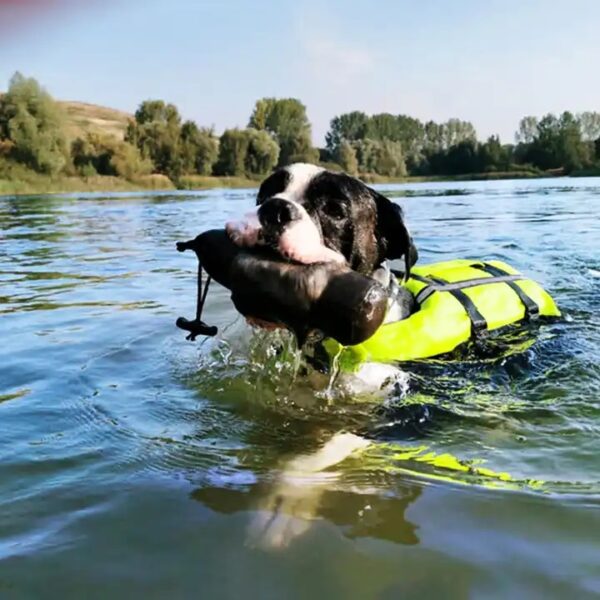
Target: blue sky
x,y
487,61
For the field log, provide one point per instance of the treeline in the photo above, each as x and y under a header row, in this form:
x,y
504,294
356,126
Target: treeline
x,y
33,133
389,144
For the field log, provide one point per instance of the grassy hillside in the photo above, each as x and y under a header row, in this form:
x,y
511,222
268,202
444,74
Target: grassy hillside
x,y
83,117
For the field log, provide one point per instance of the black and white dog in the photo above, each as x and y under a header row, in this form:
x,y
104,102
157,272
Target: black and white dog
x,y
312,215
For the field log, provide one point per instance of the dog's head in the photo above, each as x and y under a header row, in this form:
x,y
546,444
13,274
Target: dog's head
x,y
312,215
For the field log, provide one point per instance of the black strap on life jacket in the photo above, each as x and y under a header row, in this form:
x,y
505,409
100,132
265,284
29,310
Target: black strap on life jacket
x,y
478,322
437,284
497,275
532,310
432,287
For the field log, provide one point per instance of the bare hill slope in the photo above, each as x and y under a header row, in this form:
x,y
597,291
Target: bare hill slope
x,y
83,117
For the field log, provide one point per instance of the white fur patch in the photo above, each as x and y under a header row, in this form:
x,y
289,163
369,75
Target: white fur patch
x,y
300,176
301,240
378,378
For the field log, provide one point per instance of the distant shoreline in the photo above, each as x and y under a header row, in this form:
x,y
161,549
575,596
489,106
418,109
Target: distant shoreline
x,y
51,146
100,183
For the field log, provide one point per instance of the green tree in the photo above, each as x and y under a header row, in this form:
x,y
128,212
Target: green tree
x,y
34,124
456,131
382,126
262,153
573,152
300,150
463,158
199,149
528,130
356,126
367,154
434,137
126,161
233,148
558,143
440,153
286,120
347,158
348,127
543,150
412,137
246,152
156,132
107,155
494,156
408,131
157,111
390,160
589,124
83,154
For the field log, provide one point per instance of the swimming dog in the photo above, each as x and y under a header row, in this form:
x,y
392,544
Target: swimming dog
x,y
310,215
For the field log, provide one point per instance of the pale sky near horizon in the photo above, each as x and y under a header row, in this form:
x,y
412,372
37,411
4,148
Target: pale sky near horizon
x,y
490,62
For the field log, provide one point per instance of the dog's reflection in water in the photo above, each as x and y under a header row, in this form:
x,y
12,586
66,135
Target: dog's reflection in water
x,y
307,490
285,509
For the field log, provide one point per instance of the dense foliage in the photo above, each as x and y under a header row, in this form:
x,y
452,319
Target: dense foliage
x,y
286,120
246,152
32,126
558,142
199,149
33,133
106,155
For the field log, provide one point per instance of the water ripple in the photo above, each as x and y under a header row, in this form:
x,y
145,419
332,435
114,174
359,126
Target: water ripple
x,y
98,389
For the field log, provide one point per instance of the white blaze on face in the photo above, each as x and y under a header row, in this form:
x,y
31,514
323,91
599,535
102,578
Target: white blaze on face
x,y
301,175
301,240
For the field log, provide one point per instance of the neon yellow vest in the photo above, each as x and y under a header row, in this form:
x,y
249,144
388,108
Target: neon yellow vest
x,y
443,321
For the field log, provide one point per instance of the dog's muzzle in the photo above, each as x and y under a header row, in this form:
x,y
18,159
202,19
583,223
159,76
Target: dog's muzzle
x,y
275,214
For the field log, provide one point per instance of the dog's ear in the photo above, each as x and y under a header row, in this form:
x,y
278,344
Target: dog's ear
x,y
392,234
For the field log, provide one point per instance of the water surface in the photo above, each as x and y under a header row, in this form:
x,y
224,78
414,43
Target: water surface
x,y
132,462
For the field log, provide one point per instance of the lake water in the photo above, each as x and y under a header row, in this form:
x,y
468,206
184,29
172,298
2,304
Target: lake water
x,y
132,462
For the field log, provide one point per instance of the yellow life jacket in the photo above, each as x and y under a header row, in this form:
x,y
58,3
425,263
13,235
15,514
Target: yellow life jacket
x,y
457,300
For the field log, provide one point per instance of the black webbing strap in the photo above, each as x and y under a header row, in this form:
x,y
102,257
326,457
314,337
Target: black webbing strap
x,y
436,284
497,275
532,310
430,287
459,285
478,322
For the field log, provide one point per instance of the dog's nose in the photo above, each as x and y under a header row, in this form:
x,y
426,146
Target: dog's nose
x,y
277,212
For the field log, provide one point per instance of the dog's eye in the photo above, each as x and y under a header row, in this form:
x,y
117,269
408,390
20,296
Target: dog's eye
x,y
334,209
